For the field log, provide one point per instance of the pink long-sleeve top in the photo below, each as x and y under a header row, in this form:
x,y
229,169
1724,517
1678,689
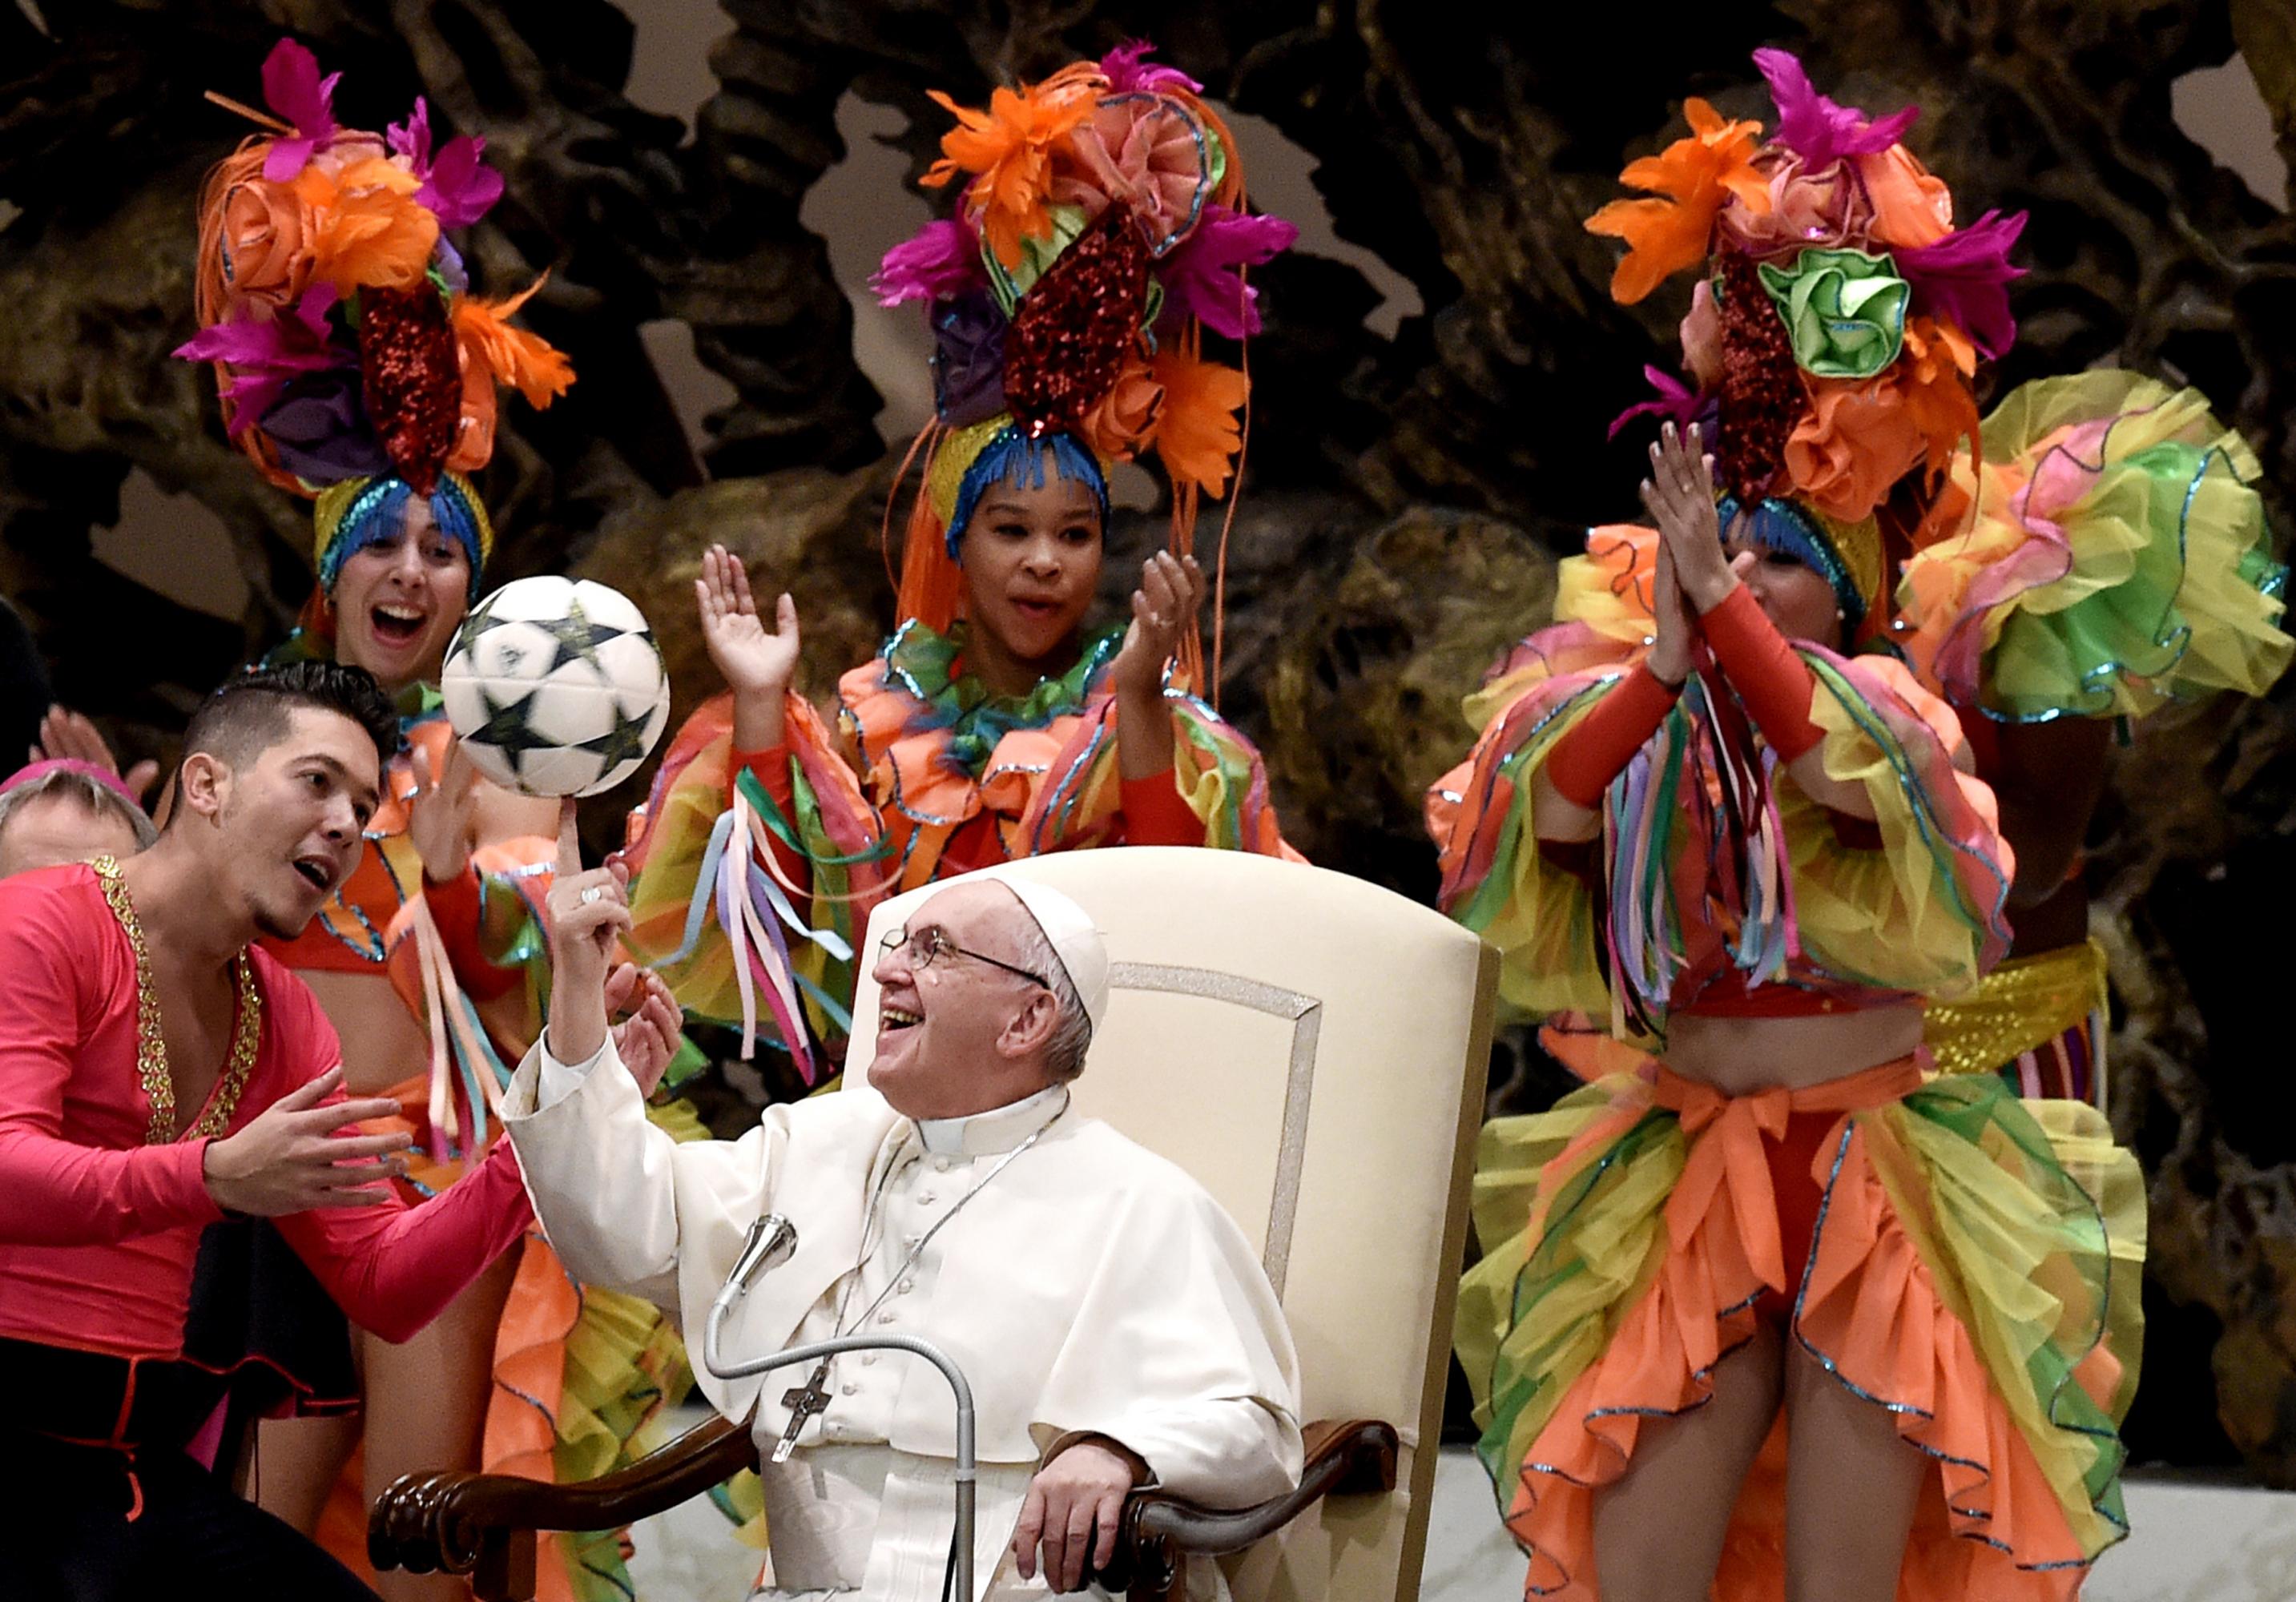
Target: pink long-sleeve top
x,y
98,1230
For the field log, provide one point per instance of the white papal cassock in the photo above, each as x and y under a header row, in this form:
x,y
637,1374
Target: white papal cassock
x,y
1091,1288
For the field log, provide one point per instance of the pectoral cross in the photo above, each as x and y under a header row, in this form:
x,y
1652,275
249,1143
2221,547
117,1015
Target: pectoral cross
x,y
804,1404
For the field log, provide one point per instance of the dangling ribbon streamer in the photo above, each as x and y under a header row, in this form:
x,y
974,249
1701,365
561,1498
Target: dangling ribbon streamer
x,y
458,1042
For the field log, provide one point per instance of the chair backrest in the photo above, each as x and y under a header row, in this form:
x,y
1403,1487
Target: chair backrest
x,y
1313,1050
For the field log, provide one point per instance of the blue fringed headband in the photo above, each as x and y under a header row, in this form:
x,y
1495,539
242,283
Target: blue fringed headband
x,y
355,513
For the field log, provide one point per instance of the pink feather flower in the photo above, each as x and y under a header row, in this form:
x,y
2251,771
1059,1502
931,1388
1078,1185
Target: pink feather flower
x,y
1127,70
1818,130
457,186
941,263
293,88
1203,278
264,353
1963,279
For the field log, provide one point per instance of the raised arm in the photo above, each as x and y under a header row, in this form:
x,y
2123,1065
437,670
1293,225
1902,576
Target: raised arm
x,y
759,666
1163,611
1761,665
1568,797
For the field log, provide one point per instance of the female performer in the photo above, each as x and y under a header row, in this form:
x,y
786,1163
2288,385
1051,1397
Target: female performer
x,y
1103,231
1777,1292
356,366
2115,558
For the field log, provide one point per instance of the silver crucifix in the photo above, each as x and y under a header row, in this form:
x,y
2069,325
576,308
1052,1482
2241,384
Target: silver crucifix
x,y
804,1404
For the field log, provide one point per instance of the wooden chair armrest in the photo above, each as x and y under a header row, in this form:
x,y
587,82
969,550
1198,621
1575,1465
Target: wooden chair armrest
x,y
1352,1457
483,1524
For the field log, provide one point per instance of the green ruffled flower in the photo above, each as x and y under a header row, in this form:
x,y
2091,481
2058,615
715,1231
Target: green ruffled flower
x,y
1036,256
1844,310
975,717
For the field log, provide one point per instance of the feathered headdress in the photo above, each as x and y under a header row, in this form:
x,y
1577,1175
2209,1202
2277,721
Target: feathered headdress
x,y
353,363
1835,334
1102,230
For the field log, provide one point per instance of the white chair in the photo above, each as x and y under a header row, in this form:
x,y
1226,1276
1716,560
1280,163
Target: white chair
x,y
1313,1050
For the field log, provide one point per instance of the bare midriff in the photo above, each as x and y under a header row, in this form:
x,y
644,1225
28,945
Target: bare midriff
x,y
1738,1056
382,1042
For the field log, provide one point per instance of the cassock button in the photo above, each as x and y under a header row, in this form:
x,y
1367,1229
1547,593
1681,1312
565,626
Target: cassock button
x,y
924,1198
885,1317
849,1388
868,1360
905,1288
941,1164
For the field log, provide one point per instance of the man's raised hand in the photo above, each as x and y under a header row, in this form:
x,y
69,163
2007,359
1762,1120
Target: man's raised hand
x,y
290,1160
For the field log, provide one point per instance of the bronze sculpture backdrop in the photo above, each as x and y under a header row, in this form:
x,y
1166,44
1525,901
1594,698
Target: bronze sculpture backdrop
x,y
1407,496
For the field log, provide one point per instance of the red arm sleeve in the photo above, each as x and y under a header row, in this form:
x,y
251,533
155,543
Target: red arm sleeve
x,y
456,909
1155,814
772,771
1598,747
58,1191
1773,682
394,1268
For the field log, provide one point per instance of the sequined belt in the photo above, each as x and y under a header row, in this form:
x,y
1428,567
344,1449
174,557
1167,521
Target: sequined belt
x,y
2026,1002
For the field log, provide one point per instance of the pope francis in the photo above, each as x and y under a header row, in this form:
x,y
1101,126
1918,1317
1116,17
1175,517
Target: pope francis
x,y
1115,1326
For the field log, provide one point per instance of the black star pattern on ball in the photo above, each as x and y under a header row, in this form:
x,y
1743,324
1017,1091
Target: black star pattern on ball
x,y
626,741
509,728
574,637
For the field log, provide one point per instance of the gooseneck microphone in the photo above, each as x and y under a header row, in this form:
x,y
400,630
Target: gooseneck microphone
x,y
770,1242
767,1244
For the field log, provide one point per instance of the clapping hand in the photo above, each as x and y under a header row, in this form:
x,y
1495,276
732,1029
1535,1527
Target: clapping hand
x,y
66,734
1163,611
1670,657
1679,495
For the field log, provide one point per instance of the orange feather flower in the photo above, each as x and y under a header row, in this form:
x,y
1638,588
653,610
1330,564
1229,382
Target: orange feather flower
x,y
1938,364
1198,432
363,227
1696,177
526,362
1009,148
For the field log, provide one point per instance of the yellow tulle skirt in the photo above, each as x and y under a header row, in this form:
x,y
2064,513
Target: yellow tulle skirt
x,y
1973,1269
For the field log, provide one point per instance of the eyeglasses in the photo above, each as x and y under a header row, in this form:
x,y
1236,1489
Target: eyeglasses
x,y
929,945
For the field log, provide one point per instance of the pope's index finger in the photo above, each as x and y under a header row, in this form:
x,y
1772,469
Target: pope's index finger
x,y
569,840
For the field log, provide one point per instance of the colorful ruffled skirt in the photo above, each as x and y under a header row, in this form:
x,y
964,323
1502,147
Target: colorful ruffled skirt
x,y
1965,1260
580,1377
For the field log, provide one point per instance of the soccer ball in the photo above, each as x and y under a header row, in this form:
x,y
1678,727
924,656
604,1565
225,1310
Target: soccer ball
x,y
555,687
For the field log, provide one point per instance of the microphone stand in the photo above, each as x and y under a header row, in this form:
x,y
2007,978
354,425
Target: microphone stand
x,y
759,1254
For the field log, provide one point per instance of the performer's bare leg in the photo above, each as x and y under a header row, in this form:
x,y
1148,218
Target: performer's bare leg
x,y
1852,1488
426,1408
297,1461
1658,1528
